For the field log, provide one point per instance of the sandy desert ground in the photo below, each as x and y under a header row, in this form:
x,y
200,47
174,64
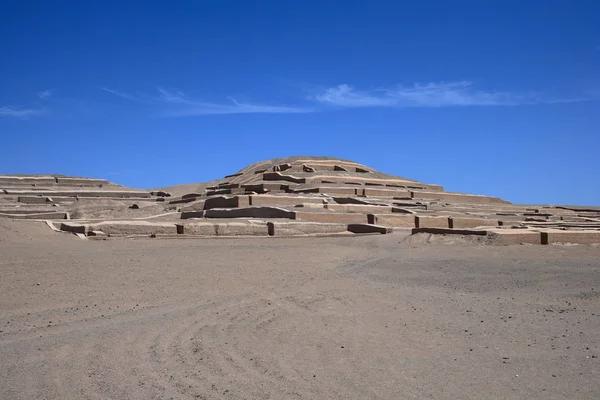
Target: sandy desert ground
x,y
371,317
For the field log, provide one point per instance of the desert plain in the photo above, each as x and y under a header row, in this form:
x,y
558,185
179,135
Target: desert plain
x,y
367,317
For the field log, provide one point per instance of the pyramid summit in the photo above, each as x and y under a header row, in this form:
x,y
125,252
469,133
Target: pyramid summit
x,y
300,172
292,196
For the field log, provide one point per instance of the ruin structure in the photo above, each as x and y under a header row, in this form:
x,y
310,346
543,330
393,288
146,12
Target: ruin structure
x,y
290,197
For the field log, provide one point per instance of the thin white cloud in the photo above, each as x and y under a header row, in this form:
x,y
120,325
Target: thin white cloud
x,y
125,95
451,94
44,94
173,97
346,96
175,103
10,111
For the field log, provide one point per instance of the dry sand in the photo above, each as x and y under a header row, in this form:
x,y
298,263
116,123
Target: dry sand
x,y
373,317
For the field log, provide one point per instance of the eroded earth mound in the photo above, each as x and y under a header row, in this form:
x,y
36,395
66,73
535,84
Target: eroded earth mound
x,y
295,196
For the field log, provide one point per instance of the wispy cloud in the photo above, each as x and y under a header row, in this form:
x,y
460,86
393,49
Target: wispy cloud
x,y
26,112
175,103
443,94
128,96
10,111
44,94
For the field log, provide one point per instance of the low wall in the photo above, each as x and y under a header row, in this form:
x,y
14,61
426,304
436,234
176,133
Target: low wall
x,y
398,194
431,221
133,228
81,181
226,202
393,220
552,236
81,193
265,199
225,229
7,180
456,197
249,212
299,228
45,215
347,218
465,222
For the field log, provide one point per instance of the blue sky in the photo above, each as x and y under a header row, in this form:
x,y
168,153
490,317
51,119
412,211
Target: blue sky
x,y
488,97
